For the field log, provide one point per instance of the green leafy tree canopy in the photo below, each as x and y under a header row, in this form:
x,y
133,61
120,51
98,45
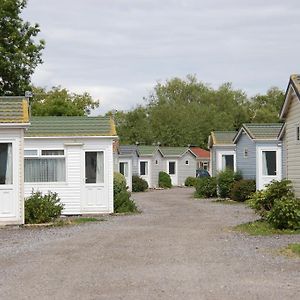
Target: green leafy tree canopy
x,y
60,102
19,52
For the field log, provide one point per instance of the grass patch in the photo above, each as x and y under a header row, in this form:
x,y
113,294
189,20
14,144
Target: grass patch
x,y
261,227
291,250
76,221
226,201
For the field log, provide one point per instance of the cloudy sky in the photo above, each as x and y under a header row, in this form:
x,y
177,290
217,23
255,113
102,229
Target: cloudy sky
x,y
117,50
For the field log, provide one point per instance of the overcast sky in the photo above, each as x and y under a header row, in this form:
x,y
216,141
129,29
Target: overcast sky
x,y
117,50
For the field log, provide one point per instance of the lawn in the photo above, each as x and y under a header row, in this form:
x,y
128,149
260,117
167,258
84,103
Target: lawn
x,y
262,228
291,250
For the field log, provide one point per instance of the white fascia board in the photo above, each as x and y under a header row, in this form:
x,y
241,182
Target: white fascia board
x,y
70,137
14,125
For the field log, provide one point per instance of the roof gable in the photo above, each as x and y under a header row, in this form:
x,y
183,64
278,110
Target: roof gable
x,y
71,126
200,153
175,151
144,150
14,110
260,131
292,88
221,138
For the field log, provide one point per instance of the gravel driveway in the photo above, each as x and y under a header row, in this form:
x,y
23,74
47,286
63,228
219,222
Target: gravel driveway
x,y
178,248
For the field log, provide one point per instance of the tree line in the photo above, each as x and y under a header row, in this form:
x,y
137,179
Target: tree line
x,y
183,112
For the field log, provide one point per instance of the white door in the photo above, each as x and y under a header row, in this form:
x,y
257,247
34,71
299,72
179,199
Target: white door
x,y
9,201
172,171
95,196
268,166
125,169
144,170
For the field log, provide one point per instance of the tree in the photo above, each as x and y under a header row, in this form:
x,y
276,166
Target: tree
x,y
19,52
60,102
265,108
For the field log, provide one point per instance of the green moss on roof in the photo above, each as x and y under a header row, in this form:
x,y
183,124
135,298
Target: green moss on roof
x,y
144,150
223,137
173,151
70,126
13,110
263,131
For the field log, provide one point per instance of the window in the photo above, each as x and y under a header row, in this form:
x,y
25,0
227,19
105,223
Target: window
x,y
187,162
269,163
49,166
124,168
205,165
94,167
227,162
6,163
172,167
143,168
246,153
156,162
298,133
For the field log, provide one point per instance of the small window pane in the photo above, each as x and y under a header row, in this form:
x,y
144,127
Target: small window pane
x,y
143,168
269,163
30,152
228,162
186,162
53,152
94,167
124,168
171,167
6,163
298,133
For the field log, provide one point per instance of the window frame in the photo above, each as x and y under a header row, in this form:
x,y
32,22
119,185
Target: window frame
x,y
40,157
187,162
246,153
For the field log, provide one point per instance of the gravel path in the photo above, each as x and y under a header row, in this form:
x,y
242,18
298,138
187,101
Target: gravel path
x,y
178,248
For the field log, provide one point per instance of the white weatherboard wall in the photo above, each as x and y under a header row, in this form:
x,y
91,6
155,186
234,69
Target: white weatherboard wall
x,y
12,196
74,193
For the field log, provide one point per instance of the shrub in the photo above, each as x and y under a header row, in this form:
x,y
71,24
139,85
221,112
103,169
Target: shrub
x,y
225,182
119,183
206,187
285,214
123,203
139,184
242,189
164,180
262,201
190,181
41,208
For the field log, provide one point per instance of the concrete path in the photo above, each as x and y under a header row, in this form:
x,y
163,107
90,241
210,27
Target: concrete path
x,y
178,248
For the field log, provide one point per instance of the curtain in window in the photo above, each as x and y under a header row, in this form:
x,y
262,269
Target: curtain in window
x,y
100,167
8,179
45,170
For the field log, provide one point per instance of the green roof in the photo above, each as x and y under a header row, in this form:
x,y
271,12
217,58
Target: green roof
x,y
173,151
70,126
223,137
144,150
263,131
13,110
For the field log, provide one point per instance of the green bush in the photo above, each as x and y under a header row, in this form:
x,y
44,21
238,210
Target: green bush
x,y
226,180
139,184
190,181
262,201
206,187
242,189
285,214
164,180
41,208
123,203
119,183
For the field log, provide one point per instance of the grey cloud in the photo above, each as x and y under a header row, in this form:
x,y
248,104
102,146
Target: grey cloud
x,y
118,49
